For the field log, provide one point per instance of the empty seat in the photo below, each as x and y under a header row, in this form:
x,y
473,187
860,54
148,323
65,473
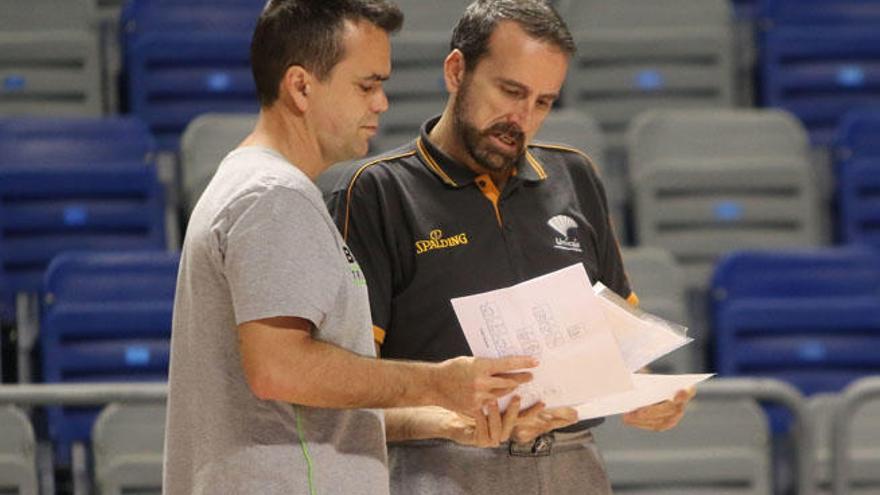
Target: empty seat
x,y
635,55
577,129
18,458
864,452
416,90
50,60
707,182
858,172
808,317
106,317
127,445
70,184
819,60
746,9
720,447
657,279
182,59
204,144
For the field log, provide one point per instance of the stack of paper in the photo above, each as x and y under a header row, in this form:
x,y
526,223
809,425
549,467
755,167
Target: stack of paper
x,y
589,346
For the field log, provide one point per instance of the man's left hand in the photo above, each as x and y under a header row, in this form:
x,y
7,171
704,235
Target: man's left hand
x,y
663,415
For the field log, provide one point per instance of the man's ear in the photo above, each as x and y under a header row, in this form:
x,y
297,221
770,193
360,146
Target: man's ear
x,y
454,70
296,85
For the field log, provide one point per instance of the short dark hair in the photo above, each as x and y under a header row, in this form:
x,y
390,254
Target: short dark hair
x,y
309,33
536,17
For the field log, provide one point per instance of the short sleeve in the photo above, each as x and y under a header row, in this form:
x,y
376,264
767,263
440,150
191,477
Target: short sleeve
x,y
357,211
280,257
612,272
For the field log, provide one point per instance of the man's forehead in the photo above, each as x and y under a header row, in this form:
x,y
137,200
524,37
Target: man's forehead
x,y
367,49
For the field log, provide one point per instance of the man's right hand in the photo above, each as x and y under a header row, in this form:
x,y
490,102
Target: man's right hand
x,y
466,384
535,423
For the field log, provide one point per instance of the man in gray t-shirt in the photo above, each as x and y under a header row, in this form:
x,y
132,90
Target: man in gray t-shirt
x,y
273,370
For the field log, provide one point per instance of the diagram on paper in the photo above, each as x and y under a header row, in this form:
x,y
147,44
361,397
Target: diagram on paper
x,y
556,319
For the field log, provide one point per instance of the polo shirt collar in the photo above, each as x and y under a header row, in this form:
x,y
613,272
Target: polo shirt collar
x,y
458,175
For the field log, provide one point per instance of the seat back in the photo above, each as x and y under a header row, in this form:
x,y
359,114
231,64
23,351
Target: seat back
x,y
825,12
127,445
818,60
808,317
205,142
864,432
50,62
720,446
74,184
659,282
183,59
709,182
635,55
858,181
106,317
18,459
417,90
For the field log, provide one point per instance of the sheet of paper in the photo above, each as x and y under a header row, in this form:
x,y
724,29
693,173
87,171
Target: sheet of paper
x,y
641,341
649,389
558,319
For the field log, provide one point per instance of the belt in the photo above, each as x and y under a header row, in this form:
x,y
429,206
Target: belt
x,y
542,445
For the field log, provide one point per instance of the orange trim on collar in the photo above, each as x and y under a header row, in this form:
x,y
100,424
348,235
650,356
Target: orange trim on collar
x,y
633,300
378,335
432,164
355,177
487,187
539,169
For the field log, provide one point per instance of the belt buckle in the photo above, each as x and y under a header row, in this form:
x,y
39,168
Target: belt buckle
x,y
539,447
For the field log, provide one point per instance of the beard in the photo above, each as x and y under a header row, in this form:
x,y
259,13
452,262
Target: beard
x,y
478,143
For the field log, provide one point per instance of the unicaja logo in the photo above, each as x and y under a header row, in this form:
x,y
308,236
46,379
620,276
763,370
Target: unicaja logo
x,y
563,224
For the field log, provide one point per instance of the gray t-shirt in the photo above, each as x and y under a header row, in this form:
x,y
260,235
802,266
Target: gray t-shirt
x,y
261,244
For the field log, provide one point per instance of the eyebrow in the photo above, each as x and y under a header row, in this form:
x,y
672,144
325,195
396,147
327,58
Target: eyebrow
x,y
523,87
376,77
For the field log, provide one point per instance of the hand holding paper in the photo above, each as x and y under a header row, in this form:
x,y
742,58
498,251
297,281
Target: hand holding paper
x,y
557,318
589,341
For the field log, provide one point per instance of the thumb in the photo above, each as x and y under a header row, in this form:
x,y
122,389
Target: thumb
x,y
505,364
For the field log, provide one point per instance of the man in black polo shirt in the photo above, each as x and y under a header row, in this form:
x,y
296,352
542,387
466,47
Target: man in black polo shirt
x,y
465,208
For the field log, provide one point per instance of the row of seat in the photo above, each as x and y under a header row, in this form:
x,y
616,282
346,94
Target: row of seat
x,y
701,183
181,59
722,446
807,317
73,184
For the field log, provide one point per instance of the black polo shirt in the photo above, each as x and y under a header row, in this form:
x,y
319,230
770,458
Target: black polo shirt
x,y
426,229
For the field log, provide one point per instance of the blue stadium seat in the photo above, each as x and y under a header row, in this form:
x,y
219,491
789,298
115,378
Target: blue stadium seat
x,y
857,149
809,317
106,317
186,58
745,9
821,58
73,184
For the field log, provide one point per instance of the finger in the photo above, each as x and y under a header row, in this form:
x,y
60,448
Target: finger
x,y
654,410
511,363
521,377
686,395
481,430
501,382
532,412
509,420
564,413
648,424
494,424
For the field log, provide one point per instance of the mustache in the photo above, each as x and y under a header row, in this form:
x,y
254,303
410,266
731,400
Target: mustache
x,y
507,129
